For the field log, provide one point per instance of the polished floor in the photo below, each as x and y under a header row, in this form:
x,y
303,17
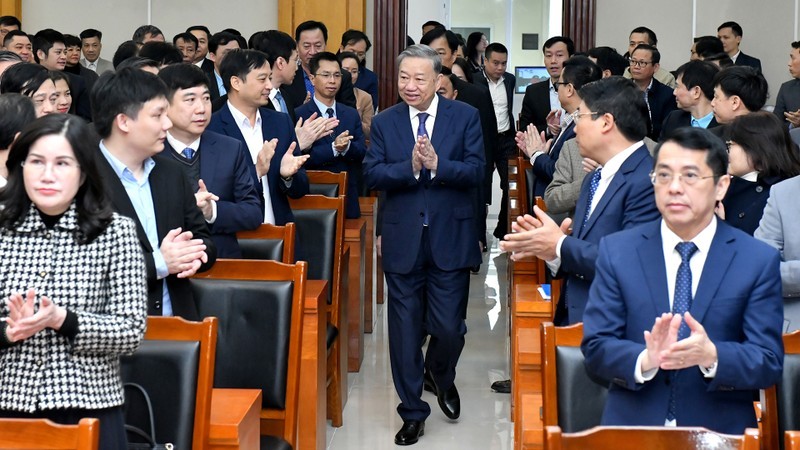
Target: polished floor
x,y
370,418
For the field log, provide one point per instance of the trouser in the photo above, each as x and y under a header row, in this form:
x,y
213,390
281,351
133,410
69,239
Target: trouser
x,y
506,146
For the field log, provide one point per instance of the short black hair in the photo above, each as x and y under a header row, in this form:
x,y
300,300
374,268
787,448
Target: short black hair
x,y
433,23
347,55
12,34
10,21
223,38
139,63
239,63
185,37
275,44
17,111
409,41
202,28
122,92
91,33
745,82
436,33
621,98
182,76
310,25
609,59
127,49
735,27
654,53
495,47
698,74
71,40
44,40
161,52
23,78
465,67
706,46
6,55
767,144
144,30
352,36
313,65
556,39
702,140
796,44
651,35
722,58
580,70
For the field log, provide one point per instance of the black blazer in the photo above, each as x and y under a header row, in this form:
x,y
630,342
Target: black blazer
x,y
295,93
175,206
677,119
747,60
745,201
509,81
662,102
213,89
80,96
535,106
479,98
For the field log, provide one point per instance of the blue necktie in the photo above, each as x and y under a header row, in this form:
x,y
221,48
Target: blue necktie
x,y
188,153
281,102
695,123
681,302
422,131
595,182
309,84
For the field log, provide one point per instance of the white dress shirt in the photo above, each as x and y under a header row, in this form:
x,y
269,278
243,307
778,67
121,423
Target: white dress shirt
x,y
432,110
500,102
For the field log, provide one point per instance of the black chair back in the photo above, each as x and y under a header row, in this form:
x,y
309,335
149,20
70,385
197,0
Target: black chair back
x,y
581,397
167,370
270,249
788,393
255,320
317,228
328,190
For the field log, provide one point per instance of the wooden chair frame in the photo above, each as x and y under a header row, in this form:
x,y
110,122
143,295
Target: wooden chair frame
x,y
337,374
261,270
327,177
552,337
769,399
205,332
43,434
267,231
651,438
792,440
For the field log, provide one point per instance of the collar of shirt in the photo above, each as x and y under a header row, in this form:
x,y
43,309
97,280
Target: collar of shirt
x,y
323,107
672,259
500,81
179,146
704,121
734,57
242,120
612,165
649,86
89,64
751,176
122,171
432,110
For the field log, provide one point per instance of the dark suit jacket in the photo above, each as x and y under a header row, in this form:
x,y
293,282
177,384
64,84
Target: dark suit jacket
x,y
175,206
478,97
213,88
368,82
747,60
296,92
788,99
535,106
226,170
448,197
509,81
628,201
217,104
321,152
274,125
745,202
677,119
80,96
738,302
545,165
662,102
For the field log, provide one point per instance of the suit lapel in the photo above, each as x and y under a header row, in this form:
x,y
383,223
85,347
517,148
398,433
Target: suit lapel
x,y
160,191
120,200
209,158
403,130
651,260
720,255
440,131
229,125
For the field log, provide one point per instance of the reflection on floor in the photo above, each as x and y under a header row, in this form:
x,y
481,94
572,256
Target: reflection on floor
x,y
370,418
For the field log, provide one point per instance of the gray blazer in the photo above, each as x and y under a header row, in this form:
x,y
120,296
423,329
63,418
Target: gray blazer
x,y
103,65
561,194
788,99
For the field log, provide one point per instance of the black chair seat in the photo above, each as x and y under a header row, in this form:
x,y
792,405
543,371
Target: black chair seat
x,y
330,335
274,443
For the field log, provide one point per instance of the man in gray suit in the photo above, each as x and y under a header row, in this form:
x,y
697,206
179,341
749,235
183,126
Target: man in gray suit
x,y
787,105
781,215
91,46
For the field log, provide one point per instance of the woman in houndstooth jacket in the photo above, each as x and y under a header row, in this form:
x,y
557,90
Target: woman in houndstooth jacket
x,y
72,283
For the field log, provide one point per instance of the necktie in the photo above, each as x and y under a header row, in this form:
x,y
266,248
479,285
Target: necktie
x,y
595,182
188,153
695,123
329,113
681,302
422,131
281,102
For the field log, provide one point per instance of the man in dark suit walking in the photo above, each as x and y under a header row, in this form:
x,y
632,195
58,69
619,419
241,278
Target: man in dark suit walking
x,y
542,98
151,189
610,125
218,167
730,33
693,95
426,154
685,313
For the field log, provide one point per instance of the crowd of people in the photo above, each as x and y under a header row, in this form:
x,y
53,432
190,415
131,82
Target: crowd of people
x,y
123,177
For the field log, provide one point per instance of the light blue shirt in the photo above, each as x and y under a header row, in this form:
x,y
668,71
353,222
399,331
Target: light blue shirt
x,y
323,108
220,85
703,122
142,201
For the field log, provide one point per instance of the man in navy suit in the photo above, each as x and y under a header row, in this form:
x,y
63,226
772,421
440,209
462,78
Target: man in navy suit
x,y
685,313
730,33
344,149
267,135
644,63
610,125
693,95
427,154
218,167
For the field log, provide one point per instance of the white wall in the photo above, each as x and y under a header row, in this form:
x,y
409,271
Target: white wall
x,y
769,28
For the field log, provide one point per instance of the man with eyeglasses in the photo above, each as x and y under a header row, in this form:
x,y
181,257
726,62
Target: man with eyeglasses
x,y
610,124
644,63
358,42
345,148
678,348
644,35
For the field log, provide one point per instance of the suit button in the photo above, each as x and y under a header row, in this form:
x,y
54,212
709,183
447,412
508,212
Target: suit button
x,y
157,305
43,274
759,188
49,234
741,214
422,214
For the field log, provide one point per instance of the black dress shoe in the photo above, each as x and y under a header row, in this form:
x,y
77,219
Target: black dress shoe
x,y
410,433
449,401
427,383
475,269
502,386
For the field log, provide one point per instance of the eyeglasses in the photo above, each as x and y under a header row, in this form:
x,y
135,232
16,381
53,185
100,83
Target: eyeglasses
x,y
728,145
59,166
577,115
327,75
664,178
638,63
562,83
